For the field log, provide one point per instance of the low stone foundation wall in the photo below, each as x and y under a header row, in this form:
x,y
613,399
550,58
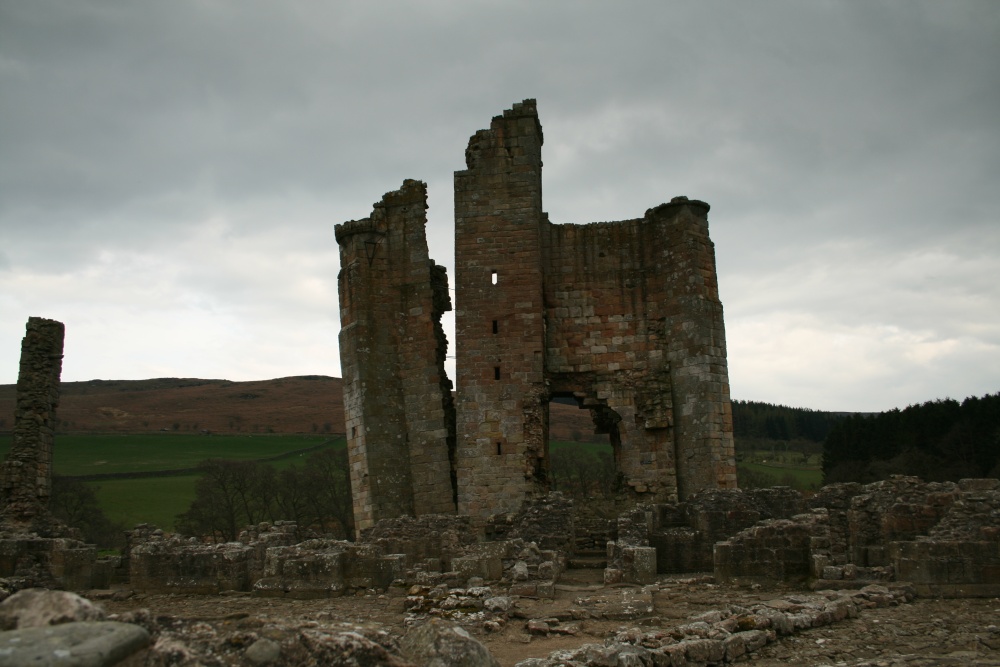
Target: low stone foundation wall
x,y
176,565
433,550
773,550
47,561
684,534
549,521
944,538
429,542
948,569
326,568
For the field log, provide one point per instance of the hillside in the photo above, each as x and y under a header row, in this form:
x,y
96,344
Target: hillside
x,y
315,404
306,404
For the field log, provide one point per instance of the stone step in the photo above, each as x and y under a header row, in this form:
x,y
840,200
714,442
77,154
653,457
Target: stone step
x,y
579,562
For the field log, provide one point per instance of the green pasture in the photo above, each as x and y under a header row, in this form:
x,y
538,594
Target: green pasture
x,y
581,448
158,500
95,454
803,479
155,500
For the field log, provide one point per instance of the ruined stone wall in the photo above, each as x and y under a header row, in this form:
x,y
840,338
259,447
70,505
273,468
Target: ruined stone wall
x,y
634,325
502,410
943,538
684,534
26,476
397,397
624,316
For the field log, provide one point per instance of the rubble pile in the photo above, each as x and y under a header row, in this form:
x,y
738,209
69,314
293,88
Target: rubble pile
x,y
725,635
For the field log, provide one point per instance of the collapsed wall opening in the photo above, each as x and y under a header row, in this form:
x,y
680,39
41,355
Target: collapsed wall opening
x,y
589,465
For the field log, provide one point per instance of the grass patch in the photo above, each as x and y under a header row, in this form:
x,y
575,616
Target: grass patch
x,y
95,454
155,500
583,448
803,479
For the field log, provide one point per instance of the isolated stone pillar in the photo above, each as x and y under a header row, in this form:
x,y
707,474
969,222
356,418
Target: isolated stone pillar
x,y
26,475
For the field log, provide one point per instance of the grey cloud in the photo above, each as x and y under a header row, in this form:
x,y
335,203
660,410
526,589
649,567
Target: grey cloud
x,y
833,140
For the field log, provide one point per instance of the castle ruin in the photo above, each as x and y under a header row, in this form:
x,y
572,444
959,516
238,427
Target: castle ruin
x,y
624,317
26,474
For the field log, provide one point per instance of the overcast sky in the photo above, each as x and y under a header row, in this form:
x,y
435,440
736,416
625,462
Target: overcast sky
x,y
171,172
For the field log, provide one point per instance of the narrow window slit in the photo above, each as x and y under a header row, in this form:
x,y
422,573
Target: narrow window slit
x,y
496,372
494,277
496,327
499,449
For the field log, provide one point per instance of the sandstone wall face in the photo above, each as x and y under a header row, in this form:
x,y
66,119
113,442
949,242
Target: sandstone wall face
x,y
635,332
397,396
499,321
623,316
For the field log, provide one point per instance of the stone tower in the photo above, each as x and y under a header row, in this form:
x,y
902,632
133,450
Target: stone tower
x,y
397,397
502,411
622,316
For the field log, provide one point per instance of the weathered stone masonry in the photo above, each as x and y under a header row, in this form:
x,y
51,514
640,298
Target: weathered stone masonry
x,y
26,476
623,316
397,396
36,548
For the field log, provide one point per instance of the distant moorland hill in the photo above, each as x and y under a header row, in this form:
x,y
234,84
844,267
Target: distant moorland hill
x,y
304,404
307,404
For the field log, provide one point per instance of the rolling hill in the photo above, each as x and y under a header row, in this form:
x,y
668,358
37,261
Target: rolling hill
x,y
303,404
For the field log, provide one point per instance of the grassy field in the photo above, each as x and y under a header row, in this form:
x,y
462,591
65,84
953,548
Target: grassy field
x,y
800,471
803,479
94,454
158,500
588,448
155,500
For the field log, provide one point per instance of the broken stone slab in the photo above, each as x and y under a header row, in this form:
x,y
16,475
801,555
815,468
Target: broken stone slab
x,y
263,652
84,644
619,605
39,607
437,643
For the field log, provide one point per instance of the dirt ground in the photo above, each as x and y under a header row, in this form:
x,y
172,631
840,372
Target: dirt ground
x,y
923,632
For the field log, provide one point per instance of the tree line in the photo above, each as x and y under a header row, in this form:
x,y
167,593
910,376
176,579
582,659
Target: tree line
x,y
231,495
941,440
754,419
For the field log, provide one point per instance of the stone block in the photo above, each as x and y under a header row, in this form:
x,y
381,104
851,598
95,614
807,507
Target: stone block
x,y
639,564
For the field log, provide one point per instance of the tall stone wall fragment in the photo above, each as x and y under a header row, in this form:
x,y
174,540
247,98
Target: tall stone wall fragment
x,y
26,475
502,411
397,396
